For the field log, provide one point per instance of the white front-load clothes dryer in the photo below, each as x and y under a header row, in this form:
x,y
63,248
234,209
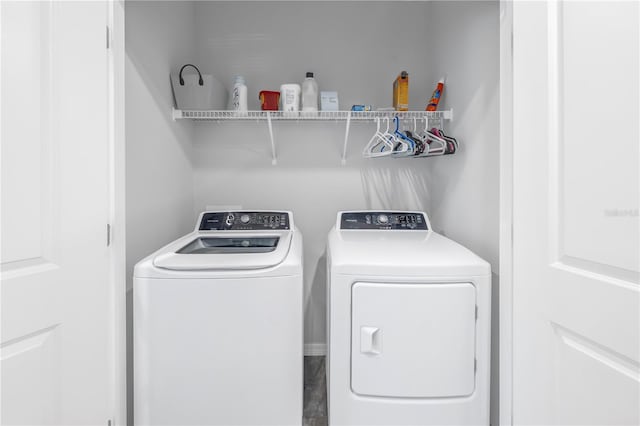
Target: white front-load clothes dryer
x,y
218,324
408,324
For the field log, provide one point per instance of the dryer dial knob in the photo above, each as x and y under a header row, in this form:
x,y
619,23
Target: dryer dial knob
x,y
245,218
383,219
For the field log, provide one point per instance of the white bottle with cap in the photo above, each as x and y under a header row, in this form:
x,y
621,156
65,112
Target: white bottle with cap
x,y
239,94
309,93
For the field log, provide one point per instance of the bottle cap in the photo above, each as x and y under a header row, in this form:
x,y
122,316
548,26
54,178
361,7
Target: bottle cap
x,y
309,75
238,79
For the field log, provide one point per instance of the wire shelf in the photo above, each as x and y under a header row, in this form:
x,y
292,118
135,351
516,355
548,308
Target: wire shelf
x,y
221,115
435,117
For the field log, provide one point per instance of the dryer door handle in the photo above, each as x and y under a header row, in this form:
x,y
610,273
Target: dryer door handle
x,y
370,340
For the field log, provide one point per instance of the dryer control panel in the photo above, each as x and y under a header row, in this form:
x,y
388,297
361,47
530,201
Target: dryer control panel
x,y
244,221
383,220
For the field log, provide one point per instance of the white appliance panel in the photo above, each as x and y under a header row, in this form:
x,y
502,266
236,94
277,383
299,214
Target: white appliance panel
x,y
413,340
215,348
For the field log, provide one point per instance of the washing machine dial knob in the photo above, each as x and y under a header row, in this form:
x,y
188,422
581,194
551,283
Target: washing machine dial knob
x,y
245,218
383,219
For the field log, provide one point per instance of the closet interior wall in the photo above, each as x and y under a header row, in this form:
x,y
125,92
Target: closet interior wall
x,y
159,37
176,169
464,188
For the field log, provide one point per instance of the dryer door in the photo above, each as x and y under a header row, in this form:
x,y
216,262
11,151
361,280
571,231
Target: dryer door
x,y
413,340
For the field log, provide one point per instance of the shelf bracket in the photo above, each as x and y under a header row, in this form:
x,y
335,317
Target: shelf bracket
x,y
346,139
274,160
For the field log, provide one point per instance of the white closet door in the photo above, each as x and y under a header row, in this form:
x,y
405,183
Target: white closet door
x,y
576,330
56,348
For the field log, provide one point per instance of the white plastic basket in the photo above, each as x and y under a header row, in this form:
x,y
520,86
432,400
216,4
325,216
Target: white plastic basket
x,y
198,91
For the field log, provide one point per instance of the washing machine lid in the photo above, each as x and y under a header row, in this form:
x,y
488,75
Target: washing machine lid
x,y
231,240
230,245
227,250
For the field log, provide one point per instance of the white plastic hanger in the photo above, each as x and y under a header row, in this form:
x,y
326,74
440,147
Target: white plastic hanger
x,y
381,144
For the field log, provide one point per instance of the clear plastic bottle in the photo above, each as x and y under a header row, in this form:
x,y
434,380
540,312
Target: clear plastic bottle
x,y
239,94
309,93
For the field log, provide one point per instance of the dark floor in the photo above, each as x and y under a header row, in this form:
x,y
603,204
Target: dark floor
x,y
315,392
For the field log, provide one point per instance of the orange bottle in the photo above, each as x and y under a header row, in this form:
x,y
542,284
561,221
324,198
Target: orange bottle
x,y
401,92
435,98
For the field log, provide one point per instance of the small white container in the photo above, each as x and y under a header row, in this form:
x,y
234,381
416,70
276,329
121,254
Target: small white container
x,y
309,93
239,95
290,97
329,101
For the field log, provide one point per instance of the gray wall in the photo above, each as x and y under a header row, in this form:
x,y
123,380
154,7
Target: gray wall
x,y
465,187
159,176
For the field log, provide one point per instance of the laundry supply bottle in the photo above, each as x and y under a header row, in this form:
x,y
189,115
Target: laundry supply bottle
x,y
401,92
435,97
309,93
239,94
290,97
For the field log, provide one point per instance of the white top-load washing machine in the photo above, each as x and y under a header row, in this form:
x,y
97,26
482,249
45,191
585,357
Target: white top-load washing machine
x,y
408,324
218,324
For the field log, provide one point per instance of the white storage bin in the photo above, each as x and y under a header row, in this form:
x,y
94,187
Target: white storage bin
x,y
198,91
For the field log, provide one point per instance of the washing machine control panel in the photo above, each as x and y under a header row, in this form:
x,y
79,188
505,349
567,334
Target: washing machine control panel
x,y
383,220
244,221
